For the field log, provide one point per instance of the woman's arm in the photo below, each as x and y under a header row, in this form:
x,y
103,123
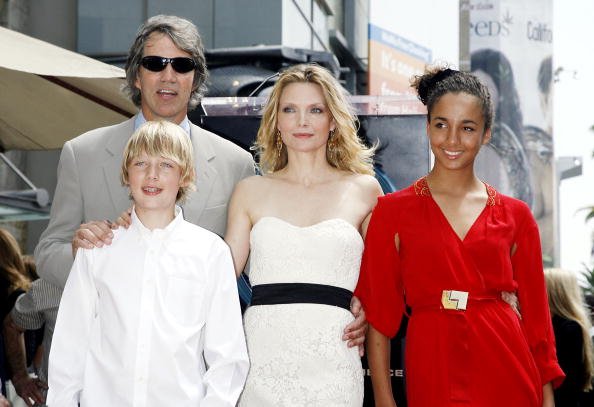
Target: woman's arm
x,y
548,399
528,272
239,225
378,355
373,191
355,331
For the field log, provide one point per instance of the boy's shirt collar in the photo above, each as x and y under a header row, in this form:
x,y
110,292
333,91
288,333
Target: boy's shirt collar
x,y
161,234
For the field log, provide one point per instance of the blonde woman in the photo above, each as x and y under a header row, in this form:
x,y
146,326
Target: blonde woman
x,y
572,326
301,224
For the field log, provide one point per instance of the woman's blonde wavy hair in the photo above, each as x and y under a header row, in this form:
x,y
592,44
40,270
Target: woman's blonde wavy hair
x,y
349,153
566,300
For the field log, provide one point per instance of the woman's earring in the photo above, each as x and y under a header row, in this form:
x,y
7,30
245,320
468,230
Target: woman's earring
x,y
331,142
279,143
332,150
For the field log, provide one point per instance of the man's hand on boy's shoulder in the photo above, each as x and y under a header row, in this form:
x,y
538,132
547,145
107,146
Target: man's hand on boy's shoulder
x,y
93,234
124,220
98,233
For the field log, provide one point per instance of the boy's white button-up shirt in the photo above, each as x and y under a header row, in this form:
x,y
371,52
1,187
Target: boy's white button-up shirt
x,y
151,320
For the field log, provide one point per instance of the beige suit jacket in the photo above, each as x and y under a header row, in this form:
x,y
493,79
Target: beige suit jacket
x,y
89,188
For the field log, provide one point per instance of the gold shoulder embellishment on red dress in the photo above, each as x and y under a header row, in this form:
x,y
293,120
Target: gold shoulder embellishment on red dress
x,y
421,187
491,195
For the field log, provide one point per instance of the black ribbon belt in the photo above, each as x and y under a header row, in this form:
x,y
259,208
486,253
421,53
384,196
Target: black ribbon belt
x,y
295,293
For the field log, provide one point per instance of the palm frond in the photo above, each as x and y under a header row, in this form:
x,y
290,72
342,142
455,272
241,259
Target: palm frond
x,y
588,274
590,213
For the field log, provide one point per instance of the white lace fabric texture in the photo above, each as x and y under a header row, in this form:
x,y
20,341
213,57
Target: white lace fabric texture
x,y
296,351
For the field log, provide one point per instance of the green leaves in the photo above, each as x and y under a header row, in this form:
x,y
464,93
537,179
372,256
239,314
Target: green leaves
x,y
588,274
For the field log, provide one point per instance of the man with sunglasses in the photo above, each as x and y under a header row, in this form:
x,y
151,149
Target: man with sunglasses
x,y
165,75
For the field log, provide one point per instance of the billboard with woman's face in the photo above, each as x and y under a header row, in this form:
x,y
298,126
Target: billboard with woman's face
x,y
510,48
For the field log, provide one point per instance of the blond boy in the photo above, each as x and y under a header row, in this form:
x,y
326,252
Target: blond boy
x,y
154,318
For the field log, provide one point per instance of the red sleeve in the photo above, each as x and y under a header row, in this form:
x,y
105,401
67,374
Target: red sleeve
x,y
380,284
534,307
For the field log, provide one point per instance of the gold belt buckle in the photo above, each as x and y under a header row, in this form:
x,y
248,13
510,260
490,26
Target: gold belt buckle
x,y
452,299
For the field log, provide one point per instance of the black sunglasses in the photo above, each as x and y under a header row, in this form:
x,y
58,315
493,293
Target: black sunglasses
x,y
157,64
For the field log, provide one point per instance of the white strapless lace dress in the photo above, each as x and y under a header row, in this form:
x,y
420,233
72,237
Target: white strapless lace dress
x,y
297,354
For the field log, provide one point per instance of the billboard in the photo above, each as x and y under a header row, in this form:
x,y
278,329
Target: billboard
x,y
511,45
404,38
393,60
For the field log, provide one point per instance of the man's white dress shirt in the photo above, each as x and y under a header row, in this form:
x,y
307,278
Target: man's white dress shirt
x,y
151,320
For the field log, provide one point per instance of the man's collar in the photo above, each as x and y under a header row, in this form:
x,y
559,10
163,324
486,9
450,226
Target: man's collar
x,y
139,120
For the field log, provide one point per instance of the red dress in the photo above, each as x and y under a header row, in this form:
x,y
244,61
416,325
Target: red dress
x,y
484,355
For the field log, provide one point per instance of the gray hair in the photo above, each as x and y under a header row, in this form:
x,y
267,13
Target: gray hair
x,y
185,36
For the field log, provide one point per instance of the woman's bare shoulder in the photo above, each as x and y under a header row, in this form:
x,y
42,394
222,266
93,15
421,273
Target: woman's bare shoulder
x,y
368,185
254,185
